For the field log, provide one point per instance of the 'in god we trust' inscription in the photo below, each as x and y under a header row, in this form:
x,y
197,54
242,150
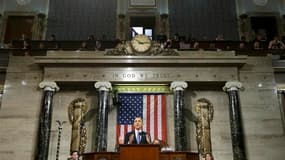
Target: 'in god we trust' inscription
x,y
135,76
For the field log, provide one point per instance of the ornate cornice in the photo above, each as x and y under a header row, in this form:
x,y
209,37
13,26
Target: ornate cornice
x,y
49,86
103,86
185,59
232,85
178,85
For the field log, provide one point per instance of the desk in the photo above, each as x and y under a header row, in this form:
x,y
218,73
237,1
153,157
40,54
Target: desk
x,y
140,152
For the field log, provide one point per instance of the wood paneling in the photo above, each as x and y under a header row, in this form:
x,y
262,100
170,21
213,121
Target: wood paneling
x,y
17,25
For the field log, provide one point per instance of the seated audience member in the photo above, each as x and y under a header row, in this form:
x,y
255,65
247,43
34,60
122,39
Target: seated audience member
x,y
220,37
196,45
52,38
243,38
137,136
184,45
176,37
241,45
83,47
259,42
256,45
168,44
276,44
97,45
91,37
209,156
41,45
74,156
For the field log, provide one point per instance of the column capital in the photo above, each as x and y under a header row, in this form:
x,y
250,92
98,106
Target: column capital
x,y
49,86
178,85
103,86
232,85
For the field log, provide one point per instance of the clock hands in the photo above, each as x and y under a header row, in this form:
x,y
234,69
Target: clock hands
x,y
140,42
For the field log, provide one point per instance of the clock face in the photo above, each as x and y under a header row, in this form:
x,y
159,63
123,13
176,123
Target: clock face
x,y
141,43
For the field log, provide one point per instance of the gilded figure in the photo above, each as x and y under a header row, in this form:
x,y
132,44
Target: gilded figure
x,y
205,113
76,111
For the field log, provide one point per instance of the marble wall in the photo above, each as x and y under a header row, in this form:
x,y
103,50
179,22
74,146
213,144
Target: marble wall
x,y
1,7
19,114
220,126
60,112
261,111
20,109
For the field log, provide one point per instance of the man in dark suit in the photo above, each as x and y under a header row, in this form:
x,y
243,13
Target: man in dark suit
x,y
137,136
74,156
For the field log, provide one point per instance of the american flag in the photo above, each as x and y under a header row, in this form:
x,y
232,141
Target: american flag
x,y
152,109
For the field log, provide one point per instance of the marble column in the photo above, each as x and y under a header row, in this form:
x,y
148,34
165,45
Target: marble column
x,y
179,122
45,119
102,115
281,98
232,88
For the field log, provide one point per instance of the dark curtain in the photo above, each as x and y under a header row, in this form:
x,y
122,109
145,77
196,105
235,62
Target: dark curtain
x,y
76,19
203,19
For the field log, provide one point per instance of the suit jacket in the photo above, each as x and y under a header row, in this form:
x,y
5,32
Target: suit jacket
x,y
130,138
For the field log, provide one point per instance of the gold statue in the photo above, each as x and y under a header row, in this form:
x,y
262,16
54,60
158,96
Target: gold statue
x,y
205,111
76,110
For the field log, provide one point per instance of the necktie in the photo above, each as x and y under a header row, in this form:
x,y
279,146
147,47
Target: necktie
x,y
138,138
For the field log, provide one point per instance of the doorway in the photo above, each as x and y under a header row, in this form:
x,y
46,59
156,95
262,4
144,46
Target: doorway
x,y
265,26
16,26
142,25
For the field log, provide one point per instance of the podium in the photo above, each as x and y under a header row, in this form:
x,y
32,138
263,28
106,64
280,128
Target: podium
x,y
140,152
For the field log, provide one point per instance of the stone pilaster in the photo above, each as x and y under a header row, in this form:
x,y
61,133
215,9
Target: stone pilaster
x,y
281,98
232,88
179,124
102,115
49,89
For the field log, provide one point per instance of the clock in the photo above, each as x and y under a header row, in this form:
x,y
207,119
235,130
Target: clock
x,y
141,43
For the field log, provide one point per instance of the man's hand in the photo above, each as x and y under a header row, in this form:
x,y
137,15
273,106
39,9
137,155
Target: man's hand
x,y
121,140
148,139
131,139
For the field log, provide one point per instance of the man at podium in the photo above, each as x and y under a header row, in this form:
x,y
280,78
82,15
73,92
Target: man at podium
x,y
137,136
